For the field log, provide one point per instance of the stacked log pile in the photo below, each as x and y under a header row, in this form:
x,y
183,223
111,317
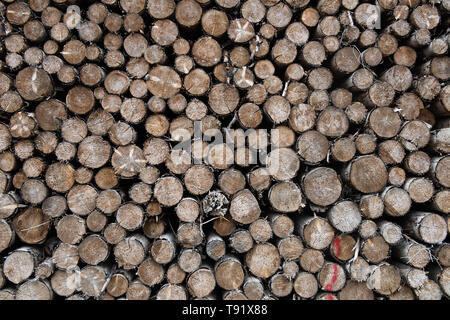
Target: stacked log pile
x,y
331,180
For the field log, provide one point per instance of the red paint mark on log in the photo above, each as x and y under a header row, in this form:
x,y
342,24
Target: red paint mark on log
x,y
337,244
329,286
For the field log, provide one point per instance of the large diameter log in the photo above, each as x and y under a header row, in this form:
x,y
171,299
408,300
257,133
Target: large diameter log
x,y
31,225
367,174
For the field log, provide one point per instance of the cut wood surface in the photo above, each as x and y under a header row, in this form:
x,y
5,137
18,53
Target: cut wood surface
x,y
224,149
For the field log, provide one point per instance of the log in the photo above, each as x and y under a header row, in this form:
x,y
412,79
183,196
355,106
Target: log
x,y
253,288
270,257
345,216
201,282
138,291
92,280
426,226
319,179
331,277
20,264
34,290
93,250
315,231
229,273
306,285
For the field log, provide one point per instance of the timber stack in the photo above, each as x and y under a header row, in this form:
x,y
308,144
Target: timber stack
x,y
224,149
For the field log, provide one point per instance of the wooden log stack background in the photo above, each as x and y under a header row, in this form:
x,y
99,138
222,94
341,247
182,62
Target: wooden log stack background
x,y
347,103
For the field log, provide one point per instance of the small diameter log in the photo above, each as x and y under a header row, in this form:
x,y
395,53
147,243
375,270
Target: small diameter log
x,y
286,197
442,252
391,232
244,207
138,291
241,240
175,275
343,247
263,260
290,248
189,260
282,225
229,273
331,277
306,150
7,235
412,253
118,284
306,285
33,84
391,152
384,122
440,276
215,247
312,260
201,282
163,249
290,268
439,170
414,278
346,60
65,283
198,179
131,251
261,230
397,177
375,249
397,201
92,280
7,294
384,279
319,179
358,269
150,272
168,191
345,216
171,292
253,288
420,190
130,216
153,228
441,201
343,149
31,225
65,256
54,206
187,210
414,135
315,231
93,250
417,162
426,226
281,285
189,235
